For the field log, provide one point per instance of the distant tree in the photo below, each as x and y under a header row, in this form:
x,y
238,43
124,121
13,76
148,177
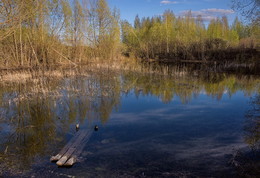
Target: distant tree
x,y
201,30
137,22
240,28
103,18
168,20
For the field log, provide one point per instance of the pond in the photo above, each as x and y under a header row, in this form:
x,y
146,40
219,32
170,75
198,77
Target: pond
x,y
161,122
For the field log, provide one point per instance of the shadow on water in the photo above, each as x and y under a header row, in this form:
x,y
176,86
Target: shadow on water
x,y
38,116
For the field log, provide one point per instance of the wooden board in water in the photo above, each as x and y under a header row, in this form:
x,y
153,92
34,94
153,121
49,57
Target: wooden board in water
x,y
70,152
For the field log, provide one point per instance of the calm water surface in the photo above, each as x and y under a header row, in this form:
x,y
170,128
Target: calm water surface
x,y
186,124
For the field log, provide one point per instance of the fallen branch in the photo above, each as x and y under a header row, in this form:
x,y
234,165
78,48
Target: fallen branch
x,y
64,57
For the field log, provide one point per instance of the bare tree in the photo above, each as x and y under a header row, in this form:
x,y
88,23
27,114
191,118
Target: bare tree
x,y
249,9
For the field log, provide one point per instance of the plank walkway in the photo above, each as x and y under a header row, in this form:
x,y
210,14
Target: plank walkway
x,y
72,150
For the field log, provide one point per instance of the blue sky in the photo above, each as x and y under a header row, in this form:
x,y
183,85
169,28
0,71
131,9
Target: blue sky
x,y
207,8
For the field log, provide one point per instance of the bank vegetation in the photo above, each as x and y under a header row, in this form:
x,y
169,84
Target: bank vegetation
x,y
46,32
172,38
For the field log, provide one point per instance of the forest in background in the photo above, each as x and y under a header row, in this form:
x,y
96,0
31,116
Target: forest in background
x,y
188,38
45,32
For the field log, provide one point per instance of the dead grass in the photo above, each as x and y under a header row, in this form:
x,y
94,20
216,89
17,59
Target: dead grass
x,y
15,77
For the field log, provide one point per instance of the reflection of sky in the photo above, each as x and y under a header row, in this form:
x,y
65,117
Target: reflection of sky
x,y
203,114
201,117
204,127
142,107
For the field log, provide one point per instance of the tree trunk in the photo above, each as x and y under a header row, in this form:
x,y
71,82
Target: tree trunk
x,y
21,44
16,47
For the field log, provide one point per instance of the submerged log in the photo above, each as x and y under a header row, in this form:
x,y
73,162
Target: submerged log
x,y
70,152
65,148
72,160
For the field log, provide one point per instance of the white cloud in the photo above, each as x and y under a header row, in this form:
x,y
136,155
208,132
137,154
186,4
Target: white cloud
x,y
220,11
208,14
168,2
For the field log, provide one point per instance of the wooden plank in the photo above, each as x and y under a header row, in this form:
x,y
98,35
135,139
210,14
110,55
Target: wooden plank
x,y
65,148
65,157
72,148
72,160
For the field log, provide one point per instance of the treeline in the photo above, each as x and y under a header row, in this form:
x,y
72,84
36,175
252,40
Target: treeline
x,y
43,32
187,38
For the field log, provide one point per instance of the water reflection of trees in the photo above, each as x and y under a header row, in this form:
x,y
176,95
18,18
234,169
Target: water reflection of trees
x,y
187,86
35,116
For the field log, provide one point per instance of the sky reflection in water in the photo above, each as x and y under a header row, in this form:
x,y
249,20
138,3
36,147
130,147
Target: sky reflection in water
x,y
149,125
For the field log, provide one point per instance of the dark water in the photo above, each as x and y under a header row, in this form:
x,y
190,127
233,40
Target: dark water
x,y
184,124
